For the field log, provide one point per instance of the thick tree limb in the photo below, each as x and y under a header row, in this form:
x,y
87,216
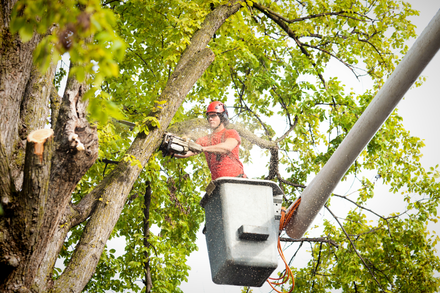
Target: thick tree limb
x,y
24,95
262,143
209,26
55,104
6,182
34,197
273,164
14,94
67,166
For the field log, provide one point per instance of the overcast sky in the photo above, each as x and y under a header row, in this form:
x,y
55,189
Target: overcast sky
x,y
419,110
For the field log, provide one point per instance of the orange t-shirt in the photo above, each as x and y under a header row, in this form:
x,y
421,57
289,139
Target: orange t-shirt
x,y
223,165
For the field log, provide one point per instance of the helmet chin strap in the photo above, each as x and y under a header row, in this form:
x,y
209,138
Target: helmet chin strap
x,y
218,126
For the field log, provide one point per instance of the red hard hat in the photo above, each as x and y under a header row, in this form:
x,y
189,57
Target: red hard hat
x,y
217,107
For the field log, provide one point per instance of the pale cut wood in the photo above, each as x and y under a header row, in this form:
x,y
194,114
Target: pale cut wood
x,y
39,137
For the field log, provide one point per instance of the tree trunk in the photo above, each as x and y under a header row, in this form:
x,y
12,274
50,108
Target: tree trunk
x,y
42,208
24,94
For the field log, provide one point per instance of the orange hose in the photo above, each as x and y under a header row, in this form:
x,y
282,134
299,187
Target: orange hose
x,y
285,218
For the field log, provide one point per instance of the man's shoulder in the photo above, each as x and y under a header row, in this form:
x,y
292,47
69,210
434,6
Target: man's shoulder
x,y
232,133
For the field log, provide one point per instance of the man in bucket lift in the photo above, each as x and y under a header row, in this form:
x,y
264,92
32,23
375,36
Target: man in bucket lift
x,y
221,146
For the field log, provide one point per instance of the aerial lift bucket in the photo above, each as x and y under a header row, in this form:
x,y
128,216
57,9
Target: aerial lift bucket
x,y
242,225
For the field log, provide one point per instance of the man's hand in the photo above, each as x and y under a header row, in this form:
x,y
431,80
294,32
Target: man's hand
x,y
188,154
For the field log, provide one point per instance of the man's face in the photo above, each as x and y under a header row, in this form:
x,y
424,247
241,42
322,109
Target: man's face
x,y
213,120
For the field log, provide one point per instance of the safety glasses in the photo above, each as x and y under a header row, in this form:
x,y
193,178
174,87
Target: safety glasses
x,y
211,116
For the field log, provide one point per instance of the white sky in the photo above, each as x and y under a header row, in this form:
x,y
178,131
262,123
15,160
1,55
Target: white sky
x,y
419,110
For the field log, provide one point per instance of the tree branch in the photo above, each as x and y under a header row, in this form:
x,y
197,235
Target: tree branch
x,y
62,166
292,127
290,183
371,211
296,252
340,13
319,240
273,165
316,267
359,206
211,24
198,127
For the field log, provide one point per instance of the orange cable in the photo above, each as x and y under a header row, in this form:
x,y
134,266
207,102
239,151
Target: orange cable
x,y
288,274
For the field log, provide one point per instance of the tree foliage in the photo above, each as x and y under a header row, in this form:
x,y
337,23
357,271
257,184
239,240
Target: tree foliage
x,y
271,61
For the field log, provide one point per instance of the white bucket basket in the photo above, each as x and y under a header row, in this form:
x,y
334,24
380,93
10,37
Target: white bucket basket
x,y
242,222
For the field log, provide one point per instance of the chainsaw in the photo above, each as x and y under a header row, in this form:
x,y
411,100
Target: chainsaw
x,y
172,144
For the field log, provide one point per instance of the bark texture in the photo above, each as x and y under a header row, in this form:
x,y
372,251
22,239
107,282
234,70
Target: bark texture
x,y
35,194
40,211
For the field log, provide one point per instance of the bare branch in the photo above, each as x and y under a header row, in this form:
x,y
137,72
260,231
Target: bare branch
x,y
319,240
198,127
317,265
371,211
366,232
290,183
296,252
229,50
359,206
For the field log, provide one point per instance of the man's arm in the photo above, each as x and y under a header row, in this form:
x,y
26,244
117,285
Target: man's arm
x,y
223,147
